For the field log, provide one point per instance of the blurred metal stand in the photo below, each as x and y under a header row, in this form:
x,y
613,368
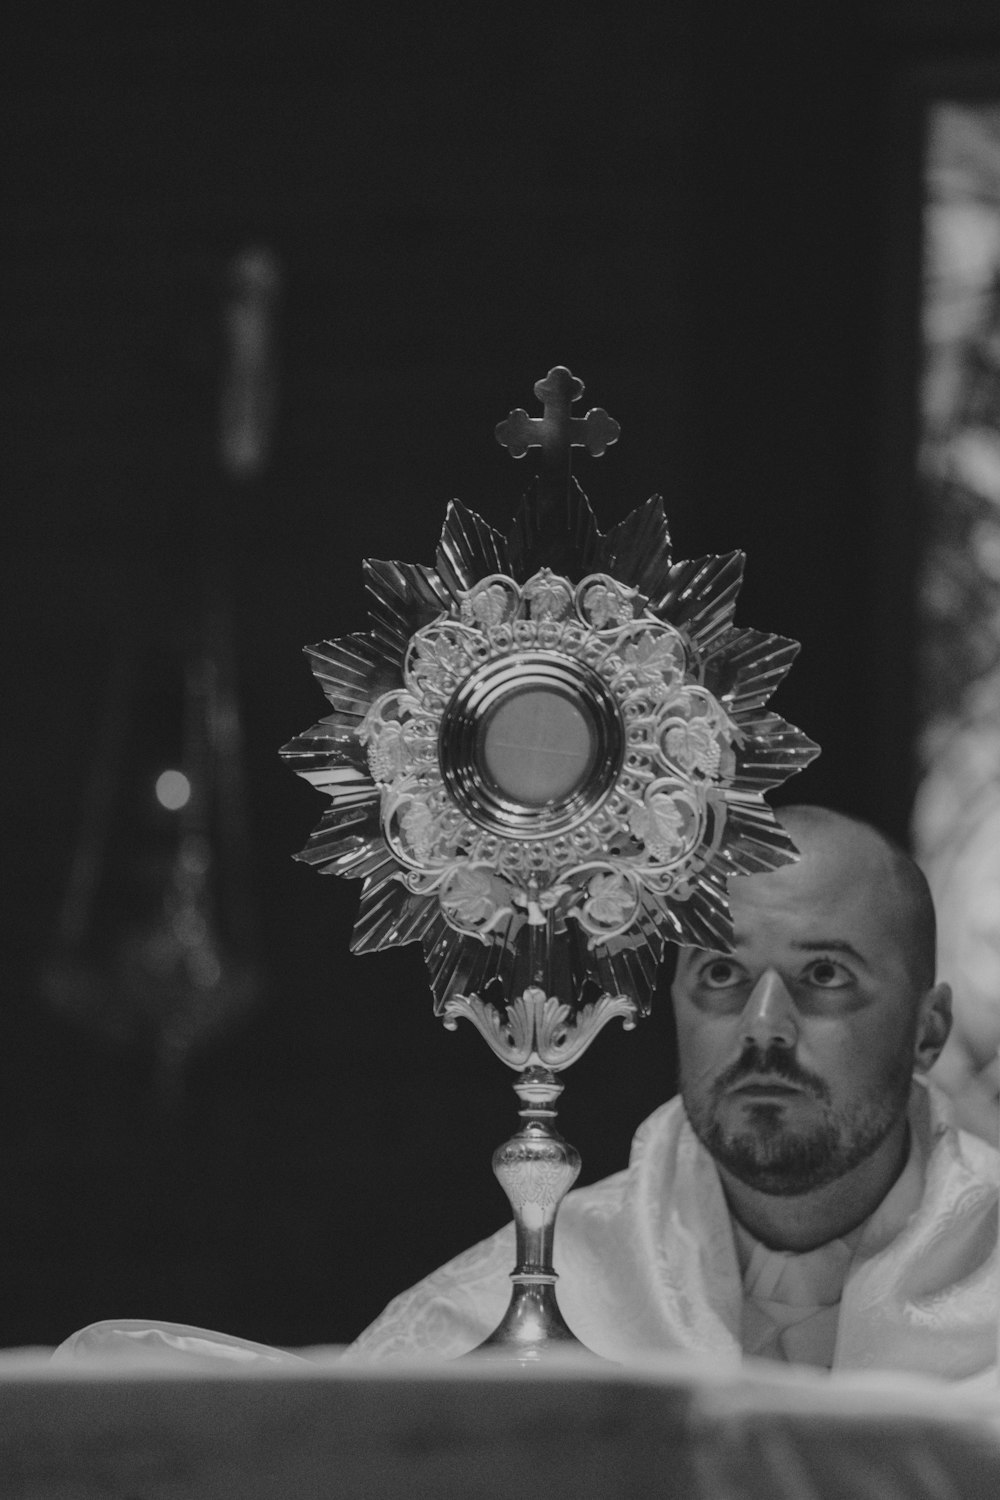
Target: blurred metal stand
x,y
154,945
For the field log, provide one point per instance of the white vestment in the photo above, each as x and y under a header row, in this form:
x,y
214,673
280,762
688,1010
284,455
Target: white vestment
x,y
648,1262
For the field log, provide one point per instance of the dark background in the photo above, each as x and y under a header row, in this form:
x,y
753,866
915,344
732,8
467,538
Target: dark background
x,y
712,217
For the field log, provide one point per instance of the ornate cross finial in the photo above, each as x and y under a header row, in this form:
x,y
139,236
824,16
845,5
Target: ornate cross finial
x,y
555,431
548,506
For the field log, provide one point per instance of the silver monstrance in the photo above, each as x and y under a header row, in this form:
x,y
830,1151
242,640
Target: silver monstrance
x,y
545,761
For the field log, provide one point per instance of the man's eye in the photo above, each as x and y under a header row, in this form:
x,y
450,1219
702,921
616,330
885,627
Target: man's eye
x,y
827,974
720,973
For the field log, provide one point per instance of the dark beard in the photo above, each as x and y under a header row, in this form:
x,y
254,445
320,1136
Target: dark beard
x,y
773,1159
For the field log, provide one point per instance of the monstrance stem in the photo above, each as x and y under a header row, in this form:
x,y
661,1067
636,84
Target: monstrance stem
x,y
535,1168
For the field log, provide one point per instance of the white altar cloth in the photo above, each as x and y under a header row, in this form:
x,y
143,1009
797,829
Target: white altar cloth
x,y
203,1427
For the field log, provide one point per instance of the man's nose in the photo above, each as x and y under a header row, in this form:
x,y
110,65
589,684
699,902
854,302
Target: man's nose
x,y
768,1019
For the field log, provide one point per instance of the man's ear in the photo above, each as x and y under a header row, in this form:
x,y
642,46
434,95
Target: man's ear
x,y
933,1026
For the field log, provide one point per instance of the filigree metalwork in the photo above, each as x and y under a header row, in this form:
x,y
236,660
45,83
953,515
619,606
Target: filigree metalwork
x,y
640,825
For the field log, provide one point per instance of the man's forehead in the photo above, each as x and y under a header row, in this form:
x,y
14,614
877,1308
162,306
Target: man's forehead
x,y
842,866
809,908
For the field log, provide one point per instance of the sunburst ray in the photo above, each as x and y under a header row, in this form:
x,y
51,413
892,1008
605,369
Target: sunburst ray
x,y
567,542
404,597
700,597
637,551
468,551
745,666
352,672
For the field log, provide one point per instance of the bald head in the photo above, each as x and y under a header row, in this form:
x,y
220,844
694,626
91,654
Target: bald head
x,y
797,1048
895,880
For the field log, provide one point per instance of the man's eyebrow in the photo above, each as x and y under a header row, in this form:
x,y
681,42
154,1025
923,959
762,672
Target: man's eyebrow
x,y
830,945
803,945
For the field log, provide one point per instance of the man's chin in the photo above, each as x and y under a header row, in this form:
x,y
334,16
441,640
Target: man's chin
x,y
783,1181
781,1165
786,1163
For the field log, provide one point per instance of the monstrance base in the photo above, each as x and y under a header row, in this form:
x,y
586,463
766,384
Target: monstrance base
x,y
532,1328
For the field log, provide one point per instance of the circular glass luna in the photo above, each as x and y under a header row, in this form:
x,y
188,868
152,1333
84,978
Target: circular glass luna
x,y
531,744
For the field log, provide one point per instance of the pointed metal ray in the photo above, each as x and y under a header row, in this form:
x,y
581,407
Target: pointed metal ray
x,y
349,842
754,837
497,960
327,743
580,963
344,783
352,671
700,596
639,964
562,980
442,958
469,550
359,859
615,976
481,960
351,810
640,952
380,915
350,814
745,666
772,751
433,940
628,967
573,550
473,962
450,959
417,918
384,876
750,860
361,822
378,866
522,969
346,788
705,916
500,967
404,597
637,551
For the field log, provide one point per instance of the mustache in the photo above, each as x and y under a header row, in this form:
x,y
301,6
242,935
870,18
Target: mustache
x,y
773,1062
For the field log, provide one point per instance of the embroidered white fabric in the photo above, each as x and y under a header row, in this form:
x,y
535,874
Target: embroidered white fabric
x,y
791,1302
647,1263
136,1339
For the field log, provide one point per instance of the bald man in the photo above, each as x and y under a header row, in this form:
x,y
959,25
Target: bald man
x,y
807,1197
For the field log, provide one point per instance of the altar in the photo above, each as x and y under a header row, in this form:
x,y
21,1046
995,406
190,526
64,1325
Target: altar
x,y
150,1428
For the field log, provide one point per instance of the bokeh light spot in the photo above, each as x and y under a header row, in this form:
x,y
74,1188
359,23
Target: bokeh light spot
x,y
173,790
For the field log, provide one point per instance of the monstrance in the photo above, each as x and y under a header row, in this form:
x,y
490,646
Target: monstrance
x,y
545,761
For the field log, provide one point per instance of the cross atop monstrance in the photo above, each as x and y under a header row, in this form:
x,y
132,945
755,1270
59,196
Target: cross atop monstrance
x,y
557,431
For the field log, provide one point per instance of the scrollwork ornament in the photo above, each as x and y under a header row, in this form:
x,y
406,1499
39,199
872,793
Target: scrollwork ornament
x,y
538,1030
